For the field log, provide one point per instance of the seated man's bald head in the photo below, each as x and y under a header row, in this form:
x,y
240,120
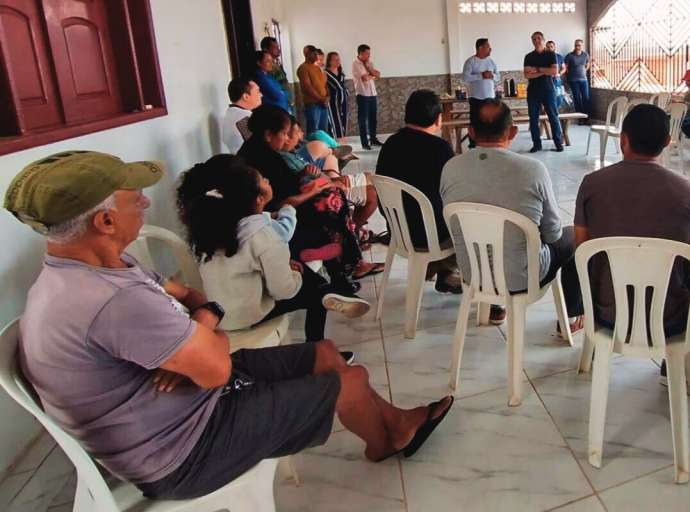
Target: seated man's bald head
x,y
492,123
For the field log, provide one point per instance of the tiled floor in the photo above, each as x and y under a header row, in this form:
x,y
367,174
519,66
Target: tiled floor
x,y
485,456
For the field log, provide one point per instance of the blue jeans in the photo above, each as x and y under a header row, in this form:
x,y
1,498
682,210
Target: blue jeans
x,y
580,90
316,117
535,100
366,116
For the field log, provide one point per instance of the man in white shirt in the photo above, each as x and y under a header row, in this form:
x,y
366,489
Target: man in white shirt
x,y
245,97
363,75
481,75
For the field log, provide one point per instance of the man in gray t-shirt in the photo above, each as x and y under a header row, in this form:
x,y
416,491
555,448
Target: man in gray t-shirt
x,y
492,174
149,389
576,65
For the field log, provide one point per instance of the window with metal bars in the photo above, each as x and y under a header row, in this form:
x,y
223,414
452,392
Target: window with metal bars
x,y
641,46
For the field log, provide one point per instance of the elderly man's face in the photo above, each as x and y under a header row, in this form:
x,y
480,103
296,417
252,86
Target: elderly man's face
x,y
128,216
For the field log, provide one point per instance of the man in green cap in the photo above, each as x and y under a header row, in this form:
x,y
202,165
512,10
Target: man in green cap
x,y
135,368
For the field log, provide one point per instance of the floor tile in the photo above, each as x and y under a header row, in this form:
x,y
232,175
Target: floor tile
x,y
591,504
490,457
638,432
419,369
11,486
36,454
336,477
46,483
652,492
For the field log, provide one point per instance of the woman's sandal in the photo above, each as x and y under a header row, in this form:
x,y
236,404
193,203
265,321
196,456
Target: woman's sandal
x,y
574,327
376,268
424,430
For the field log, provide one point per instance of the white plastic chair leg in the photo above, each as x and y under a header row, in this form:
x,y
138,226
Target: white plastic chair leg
x,y
561,311
390,256
459,339
416,274
589,140
675,367
286,467
516,343
586,355
483,313
603,141
601,377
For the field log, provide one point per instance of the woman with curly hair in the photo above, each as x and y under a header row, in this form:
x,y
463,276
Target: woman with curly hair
x,y
243,251
321,221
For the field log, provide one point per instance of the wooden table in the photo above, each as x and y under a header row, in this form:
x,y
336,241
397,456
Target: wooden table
x,y
518,107
456,127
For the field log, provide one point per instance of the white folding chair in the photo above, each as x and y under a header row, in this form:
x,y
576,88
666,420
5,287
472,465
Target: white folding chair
x,y
483,228
661,100
637,265
678,112
614,121
390,192
251,492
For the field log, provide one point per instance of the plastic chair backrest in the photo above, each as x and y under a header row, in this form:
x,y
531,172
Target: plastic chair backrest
x,y
483,228
677,111
14,383
661,100
390,192
633,103
640,265
179,249
615,112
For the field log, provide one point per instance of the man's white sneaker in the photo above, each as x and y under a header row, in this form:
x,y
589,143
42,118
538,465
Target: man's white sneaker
x,y
351,307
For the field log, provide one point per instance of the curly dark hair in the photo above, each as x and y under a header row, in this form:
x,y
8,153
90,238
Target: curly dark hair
x,y
212,197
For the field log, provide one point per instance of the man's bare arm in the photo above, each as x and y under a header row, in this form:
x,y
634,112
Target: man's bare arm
x,y
581,235
188,297
531,72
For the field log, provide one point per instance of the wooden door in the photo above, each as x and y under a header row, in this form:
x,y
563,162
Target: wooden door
x,y
83,58
27,71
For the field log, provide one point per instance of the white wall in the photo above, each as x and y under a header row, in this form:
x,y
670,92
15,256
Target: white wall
x,y
263,11
407,37
195,90
509,34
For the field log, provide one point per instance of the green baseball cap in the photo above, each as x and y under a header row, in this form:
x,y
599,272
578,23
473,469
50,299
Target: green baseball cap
x,y
65,185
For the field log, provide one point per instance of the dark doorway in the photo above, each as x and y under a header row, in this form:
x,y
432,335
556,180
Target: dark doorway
x,y
238,25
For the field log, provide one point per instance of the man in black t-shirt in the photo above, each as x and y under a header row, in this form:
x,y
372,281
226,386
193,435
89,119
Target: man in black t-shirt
x,y
540,67
416,156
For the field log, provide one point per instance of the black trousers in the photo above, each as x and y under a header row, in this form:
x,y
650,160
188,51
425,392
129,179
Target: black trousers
x,y
475,103
309,297
563,259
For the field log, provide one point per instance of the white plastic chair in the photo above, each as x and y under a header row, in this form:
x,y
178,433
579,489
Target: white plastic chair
x,y
390,192
188,267
633,103
637,264
483,229
614,121
678,112
251,492
661,100
269,334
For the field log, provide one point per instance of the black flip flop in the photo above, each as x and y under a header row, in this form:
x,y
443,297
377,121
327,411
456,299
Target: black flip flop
x,y
425,430
377,268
